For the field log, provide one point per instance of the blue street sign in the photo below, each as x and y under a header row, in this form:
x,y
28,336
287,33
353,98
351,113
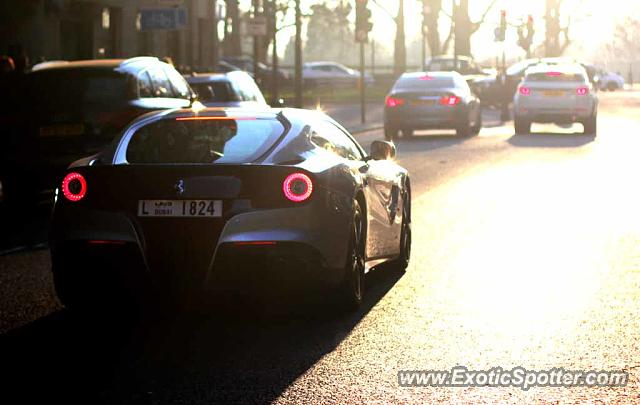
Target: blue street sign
x,y
163,18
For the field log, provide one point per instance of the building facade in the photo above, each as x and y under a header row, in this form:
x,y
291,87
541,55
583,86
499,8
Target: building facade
x,y
87,29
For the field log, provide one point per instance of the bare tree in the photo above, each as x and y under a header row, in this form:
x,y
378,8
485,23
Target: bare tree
x,y
626,39
557,38
464,27
432,13
400,48
232,38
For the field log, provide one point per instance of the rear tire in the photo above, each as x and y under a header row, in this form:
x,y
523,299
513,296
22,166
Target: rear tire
x,y
522,126
478,125
351,291
464,128
591,125
390,133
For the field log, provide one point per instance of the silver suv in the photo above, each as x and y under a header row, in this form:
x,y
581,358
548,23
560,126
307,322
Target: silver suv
x,y
560,94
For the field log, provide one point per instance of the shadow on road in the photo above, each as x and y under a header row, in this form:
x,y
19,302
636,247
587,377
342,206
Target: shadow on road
x,y
551,140
248,354
23,228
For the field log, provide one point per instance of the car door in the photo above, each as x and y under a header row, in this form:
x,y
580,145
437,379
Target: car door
x,y
381,189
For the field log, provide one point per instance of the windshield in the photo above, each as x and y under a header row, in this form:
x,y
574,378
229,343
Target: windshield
x,y
519,67
424,82
54,89
555,77
215,91
444,65
219,140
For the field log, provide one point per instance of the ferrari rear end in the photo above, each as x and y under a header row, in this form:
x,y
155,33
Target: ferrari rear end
x,y
190,222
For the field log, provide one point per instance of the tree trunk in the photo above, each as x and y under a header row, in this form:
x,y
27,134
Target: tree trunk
x,y
232,42
553,46
431,21
400,50
463,29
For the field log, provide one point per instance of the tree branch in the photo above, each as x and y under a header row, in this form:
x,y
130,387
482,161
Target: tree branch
x,y
381,7
476,25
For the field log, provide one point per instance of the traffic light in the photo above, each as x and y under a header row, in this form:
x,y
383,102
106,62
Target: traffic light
x,y
501,31
525,40
363,21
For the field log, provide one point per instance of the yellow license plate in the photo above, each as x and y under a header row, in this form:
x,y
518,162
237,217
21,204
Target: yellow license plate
x,y
62,130
553,93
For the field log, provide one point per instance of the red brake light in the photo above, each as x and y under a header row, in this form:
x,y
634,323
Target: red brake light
x,y
582,91
256,243
215,118
105,242
426,77
74,187
297,187
450,100
554,74
393,101
525,91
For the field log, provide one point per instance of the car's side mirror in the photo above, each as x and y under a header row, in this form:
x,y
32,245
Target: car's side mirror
x,y
382,150
279,103
193,97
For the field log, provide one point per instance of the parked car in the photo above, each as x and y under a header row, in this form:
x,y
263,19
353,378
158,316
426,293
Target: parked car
x,y
331,74
191,204
226,67
610,81
265,72
560,94
64,110
464,65
232,89
432,100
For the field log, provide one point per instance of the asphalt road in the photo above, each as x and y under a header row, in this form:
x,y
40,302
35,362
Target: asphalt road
x,y
526,252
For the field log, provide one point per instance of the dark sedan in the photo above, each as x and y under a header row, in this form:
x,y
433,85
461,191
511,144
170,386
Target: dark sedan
x,y
62,111
189,203
433,100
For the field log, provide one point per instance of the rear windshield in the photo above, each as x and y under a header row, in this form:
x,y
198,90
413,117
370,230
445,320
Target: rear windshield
x,y
555,77
55,89
425,82
204,141
215,91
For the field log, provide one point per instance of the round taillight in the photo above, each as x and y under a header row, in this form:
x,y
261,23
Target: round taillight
x,y
297,187
74,187
525,91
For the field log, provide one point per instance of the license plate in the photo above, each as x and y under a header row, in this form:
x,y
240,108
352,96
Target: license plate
x,y
423,102
180,208
62,130
553,93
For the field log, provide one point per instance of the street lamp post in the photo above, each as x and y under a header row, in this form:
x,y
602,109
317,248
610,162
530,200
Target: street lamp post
x,y
298,57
